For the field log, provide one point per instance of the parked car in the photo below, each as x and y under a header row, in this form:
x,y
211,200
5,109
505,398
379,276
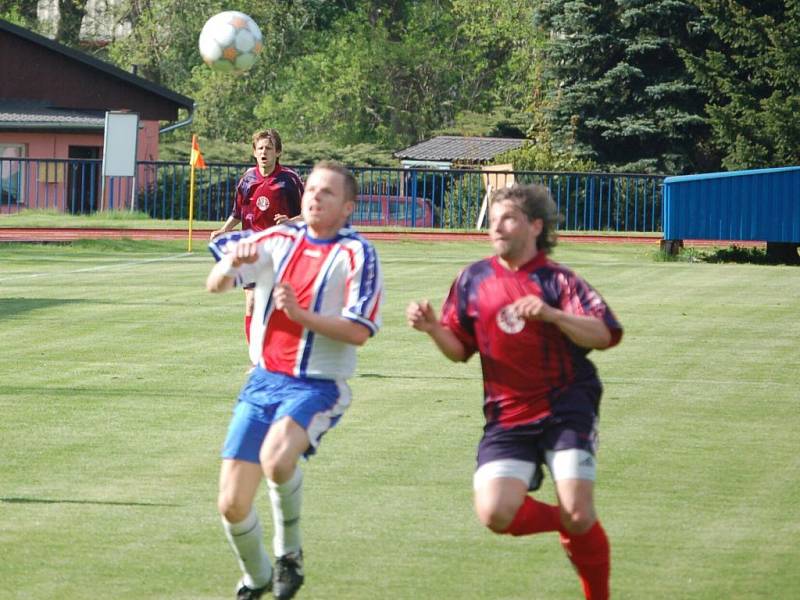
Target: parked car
x,y
393,210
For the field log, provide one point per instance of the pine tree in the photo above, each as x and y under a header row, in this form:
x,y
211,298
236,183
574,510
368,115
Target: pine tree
x,y
751,72
622,96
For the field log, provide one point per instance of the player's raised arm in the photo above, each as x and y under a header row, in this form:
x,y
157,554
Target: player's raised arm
x,y
223,274
422,317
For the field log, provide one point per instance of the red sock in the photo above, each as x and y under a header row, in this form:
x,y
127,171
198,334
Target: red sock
x,y
591,555
247,320
535,517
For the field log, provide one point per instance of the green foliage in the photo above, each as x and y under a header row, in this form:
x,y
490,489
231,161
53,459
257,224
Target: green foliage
x,y
592,83
734,253
380,82
294,153
500,122
751,72
617,93
542,156
21,13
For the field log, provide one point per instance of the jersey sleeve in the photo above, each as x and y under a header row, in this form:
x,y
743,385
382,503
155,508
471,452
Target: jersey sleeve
x,y
364,289
224,245
577,297
238,200
456,314
294,194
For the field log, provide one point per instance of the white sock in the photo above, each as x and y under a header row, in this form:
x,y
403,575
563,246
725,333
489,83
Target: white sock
x,y
286,501
247,540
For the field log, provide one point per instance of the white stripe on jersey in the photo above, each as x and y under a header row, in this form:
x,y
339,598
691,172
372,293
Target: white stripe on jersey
x,y
348,283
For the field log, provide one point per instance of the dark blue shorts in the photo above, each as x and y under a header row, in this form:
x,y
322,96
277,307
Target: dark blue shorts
x,y
572,425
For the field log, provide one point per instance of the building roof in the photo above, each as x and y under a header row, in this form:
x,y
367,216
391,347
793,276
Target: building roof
x,y
458,148
47,71
36,115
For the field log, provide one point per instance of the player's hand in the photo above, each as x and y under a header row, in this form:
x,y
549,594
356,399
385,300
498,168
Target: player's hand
x,y
244,252
215,233
286,300
534,308
279,218
421,316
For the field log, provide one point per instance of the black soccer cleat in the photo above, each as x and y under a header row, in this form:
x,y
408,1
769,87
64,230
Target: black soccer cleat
x,y
288,575
245,593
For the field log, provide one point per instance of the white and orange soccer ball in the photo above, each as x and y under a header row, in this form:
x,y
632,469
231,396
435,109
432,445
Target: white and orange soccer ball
x,y
230,42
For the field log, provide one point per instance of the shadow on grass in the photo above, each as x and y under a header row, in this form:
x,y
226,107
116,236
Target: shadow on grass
x,y
437,377
731,254
10,307
69,501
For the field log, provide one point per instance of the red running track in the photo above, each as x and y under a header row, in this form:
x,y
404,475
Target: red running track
x,y
68,234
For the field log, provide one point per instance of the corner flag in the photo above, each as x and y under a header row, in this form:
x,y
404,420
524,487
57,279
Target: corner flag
x,y
196,162
196,159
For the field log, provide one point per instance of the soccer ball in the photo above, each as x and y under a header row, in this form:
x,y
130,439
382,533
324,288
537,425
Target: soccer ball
x,y
230,42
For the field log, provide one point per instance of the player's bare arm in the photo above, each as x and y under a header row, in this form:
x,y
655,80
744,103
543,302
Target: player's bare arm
x,y
223,275
422,317
228,226
334,327
583,330
280,218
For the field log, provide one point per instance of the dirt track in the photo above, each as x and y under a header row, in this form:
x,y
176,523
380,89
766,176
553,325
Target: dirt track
x,y
68,234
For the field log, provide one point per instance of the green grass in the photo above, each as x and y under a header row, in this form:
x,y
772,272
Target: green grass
x,y
119,372
121,219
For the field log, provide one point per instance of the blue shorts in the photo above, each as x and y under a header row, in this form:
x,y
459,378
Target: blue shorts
x,y
314,404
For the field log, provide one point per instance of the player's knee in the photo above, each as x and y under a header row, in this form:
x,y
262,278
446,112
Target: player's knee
x,y
232,508
278,467
496,516
578,520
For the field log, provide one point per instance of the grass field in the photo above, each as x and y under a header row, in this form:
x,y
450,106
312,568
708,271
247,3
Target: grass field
x,y
118,374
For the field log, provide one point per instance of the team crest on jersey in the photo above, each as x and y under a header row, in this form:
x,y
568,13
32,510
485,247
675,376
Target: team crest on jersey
x,y
262,203
509,321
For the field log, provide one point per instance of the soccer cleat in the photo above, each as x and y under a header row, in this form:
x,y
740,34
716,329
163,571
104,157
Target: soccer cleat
x,y
288,575
245,593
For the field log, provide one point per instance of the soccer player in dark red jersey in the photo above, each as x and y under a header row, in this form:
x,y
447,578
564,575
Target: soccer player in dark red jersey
x,y
267,194
533,322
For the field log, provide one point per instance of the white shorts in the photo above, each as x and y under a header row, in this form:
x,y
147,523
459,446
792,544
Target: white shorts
x,y
572,463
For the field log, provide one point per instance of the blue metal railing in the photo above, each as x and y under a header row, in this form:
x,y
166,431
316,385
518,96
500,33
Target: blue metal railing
x,y
388,197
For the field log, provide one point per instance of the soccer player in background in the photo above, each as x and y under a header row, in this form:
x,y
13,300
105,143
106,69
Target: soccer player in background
x,y
267,194
533,322
318,293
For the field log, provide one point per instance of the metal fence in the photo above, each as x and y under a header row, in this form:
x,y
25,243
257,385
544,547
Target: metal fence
x,y
388,197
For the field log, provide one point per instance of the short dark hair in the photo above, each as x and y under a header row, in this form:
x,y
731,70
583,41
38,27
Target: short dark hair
x,y
268,134
350,183
536,202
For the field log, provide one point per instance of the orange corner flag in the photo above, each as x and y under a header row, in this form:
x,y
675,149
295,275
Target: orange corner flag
x,y
196,159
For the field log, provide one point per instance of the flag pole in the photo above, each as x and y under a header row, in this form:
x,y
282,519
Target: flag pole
x,y
191,204
196,161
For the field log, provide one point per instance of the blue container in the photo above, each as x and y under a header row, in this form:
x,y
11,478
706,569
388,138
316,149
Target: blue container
x,y
757,205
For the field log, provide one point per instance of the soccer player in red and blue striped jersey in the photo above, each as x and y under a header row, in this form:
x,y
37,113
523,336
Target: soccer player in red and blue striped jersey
x,y
533,322
267,194
318,293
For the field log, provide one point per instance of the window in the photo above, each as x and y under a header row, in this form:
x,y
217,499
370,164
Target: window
x,y
11,173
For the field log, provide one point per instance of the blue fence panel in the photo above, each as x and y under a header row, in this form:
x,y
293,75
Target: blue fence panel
x,y
753,205
388,197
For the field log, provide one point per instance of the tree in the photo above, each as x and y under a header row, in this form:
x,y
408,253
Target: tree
x,y
384,82
663,128
618,94
751,73
21,12
70,17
